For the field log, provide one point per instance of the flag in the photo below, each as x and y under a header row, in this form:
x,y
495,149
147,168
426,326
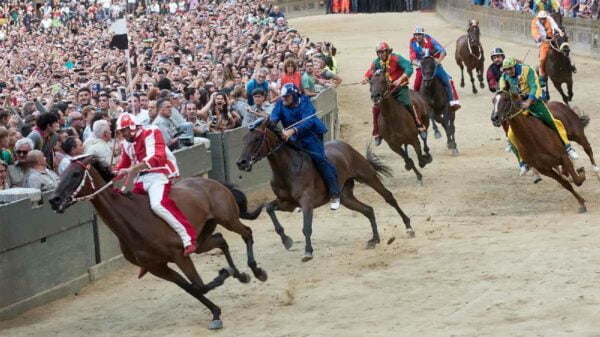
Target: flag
x,y
119,31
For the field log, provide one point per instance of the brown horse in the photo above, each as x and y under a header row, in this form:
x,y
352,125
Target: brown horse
x,y
397,126
575,125
434,93
147,241
559,68
469,53
297,183
539,146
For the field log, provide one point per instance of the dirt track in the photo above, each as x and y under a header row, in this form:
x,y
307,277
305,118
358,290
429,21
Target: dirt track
x,y
494,254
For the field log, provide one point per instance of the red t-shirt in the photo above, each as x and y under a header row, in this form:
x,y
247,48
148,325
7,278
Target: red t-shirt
x,y
294,78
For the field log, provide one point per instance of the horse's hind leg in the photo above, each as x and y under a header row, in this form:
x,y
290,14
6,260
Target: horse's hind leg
x,y
195,289
246,233
218,241
560,90
271,207
570,89
349,200
552,174
583,141
408,162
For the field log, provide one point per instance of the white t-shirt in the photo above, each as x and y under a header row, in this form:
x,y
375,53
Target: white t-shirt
x,y
173,7
142,118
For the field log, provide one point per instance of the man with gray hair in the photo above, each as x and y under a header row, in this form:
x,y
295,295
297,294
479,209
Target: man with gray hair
x,y
40,176
259,81
18,172
99,144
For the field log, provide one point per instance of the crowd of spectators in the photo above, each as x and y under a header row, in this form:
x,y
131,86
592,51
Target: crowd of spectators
x,y
570,8
207,65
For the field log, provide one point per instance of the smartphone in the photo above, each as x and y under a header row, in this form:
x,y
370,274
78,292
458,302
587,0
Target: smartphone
x,y
123,93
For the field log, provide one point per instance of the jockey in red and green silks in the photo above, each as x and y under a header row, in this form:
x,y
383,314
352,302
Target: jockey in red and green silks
x,y
398,69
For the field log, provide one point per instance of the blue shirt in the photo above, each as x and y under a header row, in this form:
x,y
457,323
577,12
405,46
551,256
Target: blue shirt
x,y
309,130
252,84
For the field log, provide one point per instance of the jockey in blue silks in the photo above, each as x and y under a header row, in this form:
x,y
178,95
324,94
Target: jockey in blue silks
x,y
292,108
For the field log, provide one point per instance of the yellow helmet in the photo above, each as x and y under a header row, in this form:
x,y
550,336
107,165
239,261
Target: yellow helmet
x,y
509,63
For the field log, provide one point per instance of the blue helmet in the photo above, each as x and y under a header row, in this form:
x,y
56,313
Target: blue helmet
x,y
289,89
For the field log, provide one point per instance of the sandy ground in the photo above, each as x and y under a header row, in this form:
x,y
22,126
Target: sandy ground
x,y
494,254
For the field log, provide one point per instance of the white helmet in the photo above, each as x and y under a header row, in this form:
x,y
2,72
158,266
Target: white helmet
x,y
542,15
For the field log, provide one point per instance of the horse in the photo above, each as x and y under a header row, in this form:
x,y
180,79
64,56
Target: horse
x,y
147,241
539,146
575,125
559,68
396,124
435,94
469,53
424,110
297,183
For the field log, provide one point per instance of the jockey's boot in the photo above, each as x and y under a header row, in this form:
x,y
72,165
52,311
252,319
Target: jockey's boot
x,y
189,249
377,140
454,105
523,168
335,203
571,152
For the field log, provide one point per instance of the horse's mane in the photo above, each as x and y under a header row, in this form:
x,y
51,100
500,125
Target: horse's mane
x,y
102,168
292,145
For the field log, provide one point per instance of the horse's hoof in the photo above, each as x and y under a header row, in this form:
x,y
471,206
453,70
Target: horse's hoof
x,y
462,84
215,325
307,257
455,152
419,182
288,242
261,275
437,135
244,278
410,233
372,243
582,209
481,85
474,91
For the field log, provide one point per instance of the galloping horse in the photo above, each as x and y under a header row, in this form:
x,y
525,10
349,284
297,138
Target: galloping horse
x,y
433,90
297,183
538,144
397,126
558,66
469,53
147,241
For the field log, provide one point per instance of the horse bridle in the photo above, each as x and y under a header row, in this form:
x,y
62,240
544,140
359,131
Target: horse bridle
x,y
255,157
383,72
513,106
434,69
471,50
86,176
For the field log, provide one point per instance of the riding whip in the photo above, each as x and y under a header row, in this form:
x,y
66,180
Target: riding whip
x,y
302,120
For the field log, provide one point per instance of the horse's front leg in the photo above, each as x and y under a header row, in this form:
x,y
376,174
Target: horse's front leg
x,y
271,207
480,75
470,71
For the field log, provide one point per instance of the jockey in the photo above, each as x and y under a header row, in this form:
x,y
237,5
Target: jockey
x,y
422,44
543,28
399,70
494,71
307,132
144,154
523,80
550,6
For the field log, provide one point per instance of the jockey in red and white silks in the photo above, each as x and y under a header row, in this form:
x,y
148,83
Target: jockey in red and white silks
x,y
144,151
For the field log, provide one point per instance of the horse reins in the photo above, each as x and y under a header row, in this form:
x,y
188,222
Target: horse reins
x,y
471,50
73,197
254,159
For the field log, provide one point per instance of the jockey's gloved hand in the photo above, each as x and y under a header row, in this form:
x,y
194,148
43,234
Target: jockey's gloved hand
x,y
539,39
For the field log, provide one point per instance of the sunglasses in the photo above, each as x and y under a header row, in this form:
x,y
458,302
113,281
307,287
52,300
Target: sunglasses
x,y
21,152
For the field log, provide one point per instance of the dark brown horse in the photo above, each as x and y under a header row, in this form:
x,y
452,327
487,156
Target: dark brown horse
x,y
559,68
539,146
147,241
469,53
297,183
396,124
433,90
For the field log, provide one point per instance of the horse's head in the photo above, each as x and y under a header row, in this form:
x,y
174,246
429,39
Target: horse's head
x,y
561,42
504,104
259,142
379,86
76,182
428,68
473,32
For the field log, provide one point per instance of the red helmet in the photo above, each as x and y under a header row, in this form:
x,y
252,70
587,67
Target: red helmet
x,y
382,46
125,120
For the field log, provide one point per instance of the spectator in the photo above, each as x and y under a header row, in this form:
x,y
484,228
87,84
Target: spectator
x,y
88,116
291,74
239,105
43,135
259,81
140,114
261,107
200,125
152,111
18,172
308,80
166,125
39,175
325,77
77,123
276,13
4,179
99,144
222,118
5,153
72,147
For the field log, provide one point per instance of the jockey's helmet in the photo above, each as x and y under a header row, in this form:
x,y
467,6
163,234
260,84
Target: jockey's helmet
x,y
509,63
381,46
473,22
542,15
497,51
124,121
289,89
419,30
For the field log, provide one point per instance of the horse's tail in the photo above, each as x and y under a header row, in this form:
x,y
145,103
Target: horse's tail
x,y
584,119
377,164
242,202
